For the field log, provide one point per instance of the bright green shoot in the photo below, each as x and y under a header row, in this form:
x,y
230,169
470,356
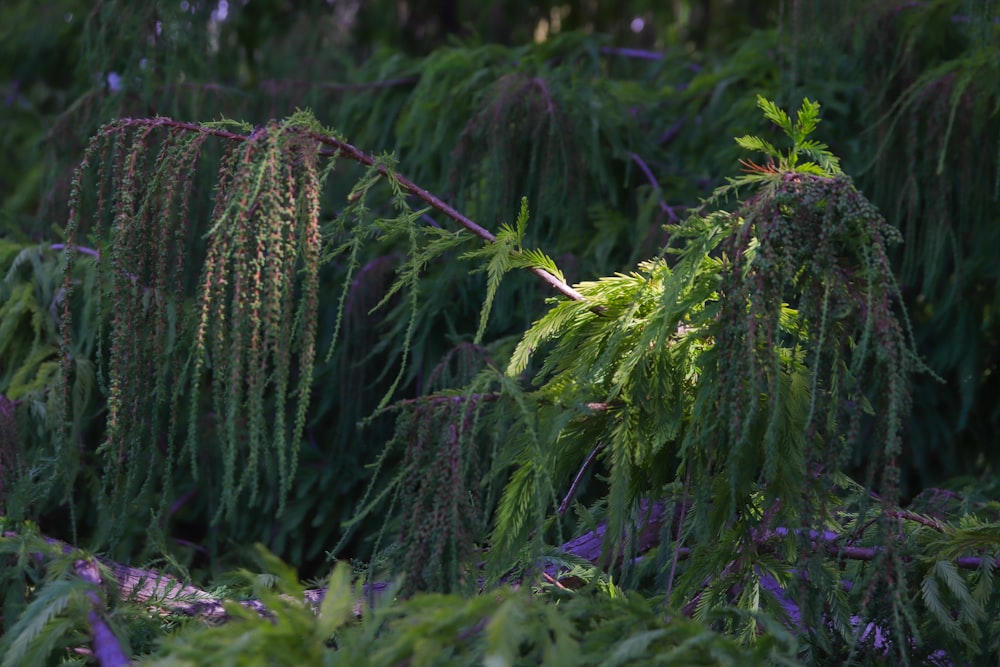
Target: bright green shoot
x,y
806,156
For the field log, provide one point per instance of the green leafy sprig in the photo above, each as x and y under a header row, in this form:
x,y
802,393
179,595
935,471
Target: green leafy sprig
x,y
806,156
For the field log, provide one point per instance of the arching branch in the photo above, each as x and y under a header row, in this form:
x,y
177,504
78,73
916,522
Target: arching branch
x,y
342,148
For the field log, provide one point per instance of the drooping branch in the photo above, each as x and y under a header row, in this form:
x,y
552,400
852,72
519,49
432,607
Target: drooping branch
x,y
344,149
587,462
664,206
347,150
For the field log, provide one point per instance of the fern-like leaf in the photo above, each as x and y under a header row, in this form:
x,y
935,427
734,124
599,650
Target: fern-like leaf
x,y
42,624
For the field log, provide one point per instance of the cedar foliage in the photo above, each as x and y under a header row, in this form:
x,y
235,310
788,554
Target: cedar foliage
x,y
758,454
618,392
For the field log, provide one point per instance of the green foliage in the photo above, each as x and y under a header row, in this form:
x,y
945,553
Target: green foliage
x,y
283,629
823,162
664,336
746,369
963,604
505,254
502,628
264,224
47,625
283,625
28,339
537,121
436,493
51,605
932,166
36,468
729,381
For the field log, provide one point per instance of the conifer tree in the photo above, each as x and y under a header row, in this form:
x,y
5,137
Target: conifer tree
x,y
519,361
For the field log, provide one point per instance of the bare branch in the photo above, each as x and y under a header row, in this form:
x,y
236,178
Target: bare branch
x,y
587,462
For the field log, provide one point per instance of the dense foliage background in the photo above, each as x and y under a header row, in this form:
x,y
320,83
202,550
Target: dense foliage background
x,y
612,121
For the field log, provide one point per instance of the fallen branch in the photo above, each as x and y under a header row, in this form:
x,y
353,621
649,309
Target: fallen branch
x,y
155,589
107,650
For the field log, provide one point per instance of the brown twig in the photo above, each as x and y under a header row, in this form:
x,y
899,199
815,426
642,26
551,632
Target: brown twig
x,y
587,462
664,206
